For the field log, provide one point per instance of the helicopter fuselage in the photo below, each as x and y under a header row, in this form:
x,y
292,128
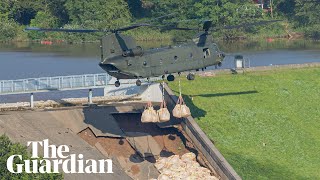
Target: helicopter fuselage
x,y
123,59
160,61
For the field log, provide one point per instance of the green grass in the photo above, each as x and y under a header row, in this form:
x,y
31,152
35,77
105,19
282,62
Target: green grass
x,y
266,124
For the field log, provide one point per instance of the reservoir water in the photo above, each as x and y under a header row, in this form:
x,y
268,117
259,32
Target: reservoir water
x,y
31,60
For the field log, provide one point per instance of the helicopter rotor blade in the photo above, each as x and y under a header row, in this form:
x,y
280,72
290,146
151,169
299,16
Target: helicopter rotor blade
x,y
86,30
168,28
63,30
250,24
131,27
160,17
207,25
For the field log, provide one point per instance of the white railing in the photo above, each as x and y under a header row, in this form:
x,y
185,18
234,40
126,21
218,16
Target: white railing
x,y
61,83
58,83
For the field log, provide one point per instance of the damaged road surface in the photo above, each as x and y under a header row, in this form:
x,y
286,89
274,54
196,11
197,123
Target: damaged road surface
x,y
102,132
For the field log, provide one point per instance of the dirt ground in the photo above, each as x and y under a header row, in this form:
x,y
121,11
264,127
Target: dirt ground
x,y
114,146
171,140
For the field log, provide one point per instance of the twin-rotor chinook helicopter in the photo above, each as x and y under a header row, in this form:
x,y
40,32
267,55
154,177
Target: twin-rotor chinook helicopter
x,y
123,59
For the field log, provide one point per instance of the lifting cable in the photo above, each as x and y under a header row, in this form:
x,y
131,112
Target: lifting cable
x,y
163,90
164,145
148,92
179,85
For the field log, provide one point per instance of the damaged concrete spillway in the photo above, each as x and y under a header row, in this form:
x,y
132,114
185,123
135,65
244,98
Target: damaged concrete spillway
x,y
116,132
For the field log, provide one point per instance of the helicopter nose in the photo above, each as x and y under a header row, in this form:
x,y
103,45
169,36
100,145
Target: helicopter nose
x,y
108,67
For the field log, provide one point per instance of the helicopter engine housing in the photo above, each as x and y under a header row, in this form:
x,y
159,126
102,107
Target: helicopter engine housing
x,y
138,51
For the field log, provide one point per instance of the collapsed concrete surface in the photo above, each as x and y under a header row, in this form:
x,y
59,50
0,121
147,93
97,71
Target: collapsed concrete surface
x,y
114,130
100,133
61,128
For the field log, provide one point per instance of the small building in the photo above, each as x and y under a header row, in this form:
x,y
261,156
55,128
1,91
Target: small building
x,y
263,4
240,62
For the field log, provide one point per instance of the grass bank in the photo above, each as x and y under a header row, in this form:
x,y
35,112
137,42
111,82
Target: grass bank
x,y
266,124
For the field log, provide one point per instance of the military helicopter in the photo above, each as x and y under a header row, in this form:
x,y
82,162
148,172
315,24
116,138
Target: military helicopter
x,y
123,59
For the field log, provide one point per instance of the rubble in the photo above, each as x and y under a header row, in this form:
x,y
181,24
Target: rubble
x,y
186,167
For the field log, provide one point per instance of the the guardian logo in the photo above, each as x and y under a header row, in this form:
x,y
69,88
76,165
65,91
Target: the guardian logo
x,y
56,158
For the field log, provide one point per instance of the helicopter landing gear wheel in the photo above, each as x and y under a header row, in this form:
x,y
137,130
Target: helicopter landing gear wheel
x,y
117,83
170,77
191,77
138,82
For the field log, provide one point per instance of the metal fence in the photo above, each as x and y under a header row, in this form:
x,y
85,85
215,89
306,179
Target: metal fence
x,y
54,83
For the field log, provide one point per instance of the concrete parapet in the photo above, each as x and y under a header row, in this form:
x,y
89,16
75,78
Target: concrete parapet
x,y
214,158
147,91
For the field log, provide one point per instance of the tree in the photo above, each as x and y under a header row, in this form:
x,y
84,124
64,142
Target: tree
x,y
7,148
98,13
136,8
8,28
307,15
43,19
224,13
307,12
285,7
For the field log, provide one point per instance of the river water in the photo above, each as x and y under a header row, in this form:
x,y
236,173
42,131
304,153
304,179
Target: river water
x,y
31,60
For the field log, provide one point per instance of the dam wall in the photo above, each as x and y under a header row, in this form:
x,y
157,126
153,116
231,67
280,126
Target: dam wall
x,y
214,159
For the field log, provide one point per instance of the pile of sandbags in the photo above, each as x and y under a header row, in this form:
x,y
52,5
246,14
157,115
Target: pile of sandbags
x,y
185,167
150,115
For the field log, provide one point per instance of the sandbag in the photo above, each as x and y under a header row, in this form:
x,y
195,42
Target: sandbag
x,y
181,110
149,115
163,112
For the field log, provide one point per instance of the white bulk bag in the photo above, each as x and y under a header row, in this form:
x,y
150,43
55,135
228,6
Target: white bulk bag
x,y
181,110
149,114
163,112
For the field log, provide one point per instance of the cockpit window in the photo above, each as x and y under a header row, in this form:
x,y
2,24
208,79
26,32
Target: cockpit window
x,y
206,53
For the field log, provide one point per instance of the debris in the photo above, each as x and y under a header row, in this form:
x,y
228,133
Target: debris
x,y
143,143
185,168
207,74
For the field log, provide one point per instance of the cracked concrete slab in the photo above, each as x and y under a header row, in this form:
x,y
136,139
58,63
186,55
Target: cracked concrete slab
x,y
36,126
144,144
